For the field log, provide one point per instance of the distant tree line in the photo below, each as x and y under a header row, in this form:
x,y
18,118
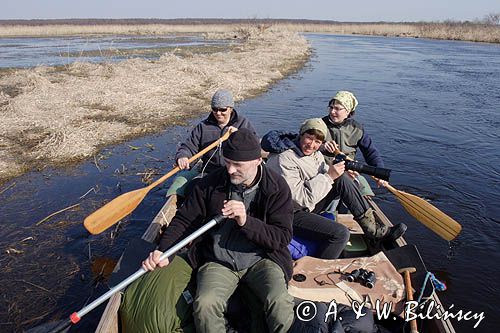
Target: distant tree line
x,y
493,18
135,21
490,19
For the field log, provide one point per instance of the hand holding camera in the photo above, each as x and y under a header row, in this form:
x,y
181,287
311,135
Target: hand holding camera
x,y
380,173
336,170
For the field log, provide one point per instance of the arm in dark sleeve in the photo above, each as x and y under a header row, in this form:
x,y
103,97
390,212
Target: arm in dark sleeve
x,y
192,145
187,219
370,152
277,232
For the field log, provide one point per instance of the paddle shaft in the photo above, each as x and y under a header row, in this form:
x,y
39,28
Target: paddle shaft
x,y
437,221
76,316
196,156
409,297
124,204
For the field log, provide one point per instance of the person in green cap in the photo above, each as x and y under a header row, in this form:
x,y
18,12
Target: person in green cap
x,y
347,135
314,184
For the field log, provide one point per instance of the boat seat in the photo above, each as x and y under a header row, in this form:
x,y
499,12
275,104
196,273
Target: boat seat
x,y
348,221
356,246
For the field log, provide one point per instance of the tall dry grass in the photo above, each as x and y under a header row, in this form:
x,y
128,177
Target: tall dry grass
x,y
381,29
473,32
124,29
466,31
460,31
55,115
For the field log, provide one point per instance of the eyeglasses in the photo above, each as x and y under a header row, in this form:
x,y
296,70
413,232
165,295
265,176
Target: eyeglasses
x,y
221,110
336,108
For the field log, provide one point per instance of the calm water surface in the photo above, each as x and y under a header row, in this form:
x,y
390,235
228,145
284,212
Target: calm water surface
x,y
52,51
430,106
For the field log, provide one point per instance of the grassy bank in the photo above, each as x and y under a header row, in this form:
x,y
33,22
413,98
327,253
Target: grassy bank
x,y
466,31
448,31
56,115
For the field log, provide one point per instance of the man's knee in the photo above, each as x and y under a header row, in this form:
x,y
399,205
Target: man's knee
x,y
343,234
280,312
209,302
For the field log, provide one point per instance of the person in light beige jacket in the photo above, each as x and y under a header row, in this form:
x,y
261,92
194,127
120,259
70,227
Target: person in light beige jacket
x,y
314,184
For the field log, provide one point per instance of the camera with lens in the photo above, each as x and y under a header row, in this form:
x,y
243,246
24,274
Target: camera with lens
x,y
366,278
380,173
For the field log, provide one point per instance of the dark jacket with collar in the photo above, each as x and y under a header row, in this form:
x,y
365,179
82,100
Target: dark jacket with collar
x,y
205,133
269,217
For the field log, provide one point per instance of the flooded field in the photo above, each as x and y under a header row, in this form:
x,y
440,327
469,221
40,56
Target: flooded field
x,y
22,52
54,115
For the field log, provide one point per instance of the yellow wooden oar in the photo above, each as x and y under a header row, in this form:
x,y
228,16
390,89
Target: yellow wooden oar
x,y
121,206
434,219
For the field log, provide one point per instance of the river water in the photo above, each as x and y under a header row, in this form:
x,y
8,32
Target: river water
x,y
430,106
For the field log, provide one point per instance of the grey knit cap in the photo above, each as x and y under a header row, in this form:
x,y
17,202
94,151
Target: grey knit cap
x,y
222,99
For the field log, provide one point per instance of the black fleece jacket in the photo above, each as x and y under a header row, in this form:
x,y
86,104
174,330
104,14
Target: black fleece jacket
x,y
204,134
269,217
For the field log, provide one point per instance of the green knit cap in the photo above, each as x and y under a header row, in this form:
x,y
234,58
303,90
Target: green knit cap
x,y
314,123
347,99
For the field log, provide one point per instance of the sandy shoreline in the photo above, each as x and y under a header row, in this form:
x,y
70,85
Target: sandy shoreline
x,y
57,115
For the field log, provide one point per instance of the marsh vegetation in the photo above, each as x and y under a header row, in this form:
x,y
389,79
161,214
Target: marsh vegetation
x,y
57,115
486,29
54,115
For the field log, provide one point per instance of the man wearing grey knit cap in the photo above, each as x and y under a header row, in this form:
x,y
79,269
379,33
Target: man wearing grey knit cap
x,y
221,118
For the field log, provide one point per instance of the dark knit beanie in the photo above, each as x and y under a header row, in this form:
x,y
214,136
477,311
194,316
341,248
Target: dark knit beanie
x,y
243,145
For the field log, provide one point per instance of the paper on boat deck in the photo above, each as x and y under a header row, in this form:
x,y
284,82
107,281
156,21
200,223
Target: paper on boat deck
x,y
324,283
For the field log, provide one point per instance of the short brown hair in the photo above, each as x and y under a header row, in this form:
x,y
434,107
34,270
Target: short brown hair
x,y
317,133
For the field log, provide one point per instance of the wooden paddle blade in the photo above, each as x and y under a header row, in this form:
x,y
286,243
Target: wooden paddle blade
x,y
434,219
114,211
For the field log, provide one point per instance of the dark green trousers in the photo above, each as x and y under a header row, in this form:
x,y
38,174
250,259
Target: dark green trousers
x,y
216,283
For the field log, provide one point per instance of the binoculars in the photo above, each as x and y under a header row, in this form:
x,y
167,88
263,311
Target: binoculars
x,y
380,173
366,278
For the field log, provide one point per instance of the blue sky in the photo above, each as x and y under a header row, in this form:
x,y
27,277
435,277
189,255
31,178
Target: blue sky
x,y
347,10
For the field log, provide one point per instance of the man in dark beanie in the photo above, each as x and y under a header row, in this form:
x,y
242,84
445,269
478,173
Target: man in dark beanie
x,y
250,246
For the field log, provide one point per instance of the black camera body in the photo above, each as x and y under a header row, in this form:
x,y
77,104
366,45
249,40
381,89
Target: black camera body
x,y
380,173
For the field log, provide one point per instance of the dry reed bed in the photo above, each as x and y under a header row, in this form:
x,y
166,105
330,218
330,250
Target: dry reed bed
x,y
53,116
125,29
466,31
449,31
